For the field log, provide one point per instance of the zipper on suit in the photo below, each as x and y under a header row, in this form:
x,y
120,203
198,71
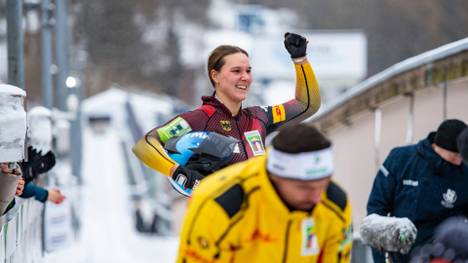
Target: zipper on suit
x,y
286,241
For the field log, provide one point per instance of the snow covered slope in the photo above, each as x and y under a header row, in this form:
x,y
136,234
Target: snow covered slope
x,y
108,233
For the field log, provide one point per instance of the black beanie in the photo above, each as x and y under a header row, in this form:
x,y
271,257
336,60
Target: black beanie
x,y
463,145
447,134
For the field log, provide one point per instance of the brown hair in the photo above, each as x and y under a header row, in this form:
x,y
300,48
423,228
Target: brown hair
x,y
216,58
300,138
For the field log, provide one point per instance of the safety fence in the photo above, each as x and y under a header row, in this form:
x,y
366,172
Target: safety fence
x,y
21,233
31,228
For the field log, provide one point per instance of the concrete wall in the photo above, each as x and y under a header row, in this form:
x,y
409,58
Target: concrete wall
x,y
354,158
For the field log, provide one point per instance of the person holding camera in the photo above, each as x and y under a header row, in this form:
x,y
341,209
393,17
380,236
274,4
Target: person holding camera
x,y
41,158
12,184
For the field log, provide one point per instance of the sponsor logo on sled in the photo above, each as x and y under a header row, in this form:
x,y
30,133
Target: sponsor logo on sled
x,y
449,198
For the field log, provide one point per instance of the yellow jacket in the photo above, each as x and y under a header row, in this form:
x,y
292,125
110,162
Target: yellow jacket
x,y
236,216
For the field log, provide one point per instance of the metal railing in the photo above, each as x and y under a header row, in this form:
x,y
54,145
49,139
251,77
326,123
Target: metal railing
x,y
21,232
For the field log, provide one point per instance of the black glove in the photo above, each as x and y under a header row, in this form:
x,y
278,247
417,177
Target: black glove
x,y
207,164
186,177
40,163
204,168
46,163
295,44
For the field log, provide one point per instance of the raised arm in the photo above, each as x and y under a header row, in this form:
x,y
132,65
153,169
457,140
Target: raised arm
x,y
307,95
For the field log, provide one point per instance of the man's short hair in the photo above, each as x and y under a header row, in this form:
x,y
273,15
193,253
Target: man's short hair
x,y
300,138
463,145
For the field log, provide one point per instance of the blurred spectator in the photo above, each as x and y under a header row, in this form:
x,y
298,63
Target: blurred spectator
x,y
11,183
449,245
36,165
40,157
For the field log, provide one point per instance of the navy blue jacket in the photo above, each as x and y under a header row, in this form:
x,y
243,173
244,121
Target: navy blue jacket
x,y
415,182
39,193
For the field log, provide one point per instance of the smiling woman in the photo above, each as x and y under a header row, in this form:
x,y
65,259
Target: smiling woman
x,y
229,72
231,76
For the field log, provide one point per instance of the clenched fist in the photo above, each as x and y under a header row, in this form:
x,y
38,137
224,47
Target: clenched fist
x,y
295,44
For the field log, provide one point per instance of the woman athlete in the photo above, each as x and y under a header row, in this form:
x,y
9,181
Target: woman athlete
x,y
229,71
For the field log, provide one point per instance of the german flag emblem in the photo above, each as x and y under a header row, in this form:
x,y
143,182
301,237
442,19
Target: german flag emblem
x,y
278,113
226,125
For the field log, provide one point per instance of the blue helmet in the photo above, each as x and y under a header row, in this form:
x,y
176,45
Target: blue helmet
x,y
203,151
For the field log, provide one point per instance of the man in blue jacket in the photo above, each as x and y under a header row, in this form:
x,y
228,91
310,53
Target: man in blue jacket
x,y
420,184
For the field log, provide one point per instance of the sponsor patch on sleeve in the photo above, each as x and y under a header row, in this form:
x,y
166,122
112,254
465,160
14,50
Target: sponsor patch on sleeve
x,y
278,113
176,127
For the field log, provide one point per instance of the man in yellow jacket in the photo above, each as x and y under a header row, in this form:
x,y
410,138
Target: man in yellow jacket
x,y
281,207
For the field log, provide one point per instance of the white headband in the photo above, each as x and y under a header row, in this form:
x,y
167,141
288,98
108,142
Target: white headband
x,y
303,166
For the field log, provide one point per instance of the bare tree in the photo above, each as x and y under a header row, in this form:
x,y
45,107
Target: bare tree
x,y
114,33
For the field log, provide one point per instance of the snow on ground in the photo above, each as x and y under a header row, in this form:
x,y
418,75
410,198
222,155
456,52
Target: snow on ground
x,y
108,233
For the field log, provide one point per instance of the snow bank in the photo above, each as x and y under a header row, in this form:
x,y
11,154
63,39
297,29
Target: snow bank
x,y
40,129
12,123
